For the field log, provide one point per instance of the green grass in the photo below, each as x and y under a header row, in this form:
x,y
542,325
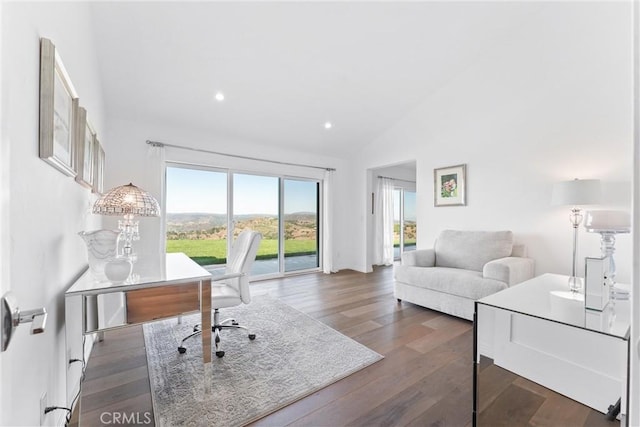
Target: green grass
x,y
208,252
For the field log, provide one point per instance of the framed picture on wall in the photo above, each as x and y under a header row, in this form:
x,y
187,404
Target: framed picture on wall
x,y
98,168
449,185
58,110
85,149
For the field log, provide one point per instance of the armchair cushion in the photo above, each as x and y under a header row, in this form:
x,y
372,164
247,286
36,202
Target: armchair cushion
x,y
450,280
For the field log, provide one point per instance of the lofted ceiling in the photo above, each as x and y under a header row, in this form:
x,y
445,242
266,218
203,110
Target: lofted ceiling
x,y
286,68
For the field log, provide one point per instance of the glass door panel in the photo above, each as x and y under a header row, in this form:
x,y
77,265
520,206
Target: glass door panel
x,y
397,216
196,218
409,221
255,206
301,214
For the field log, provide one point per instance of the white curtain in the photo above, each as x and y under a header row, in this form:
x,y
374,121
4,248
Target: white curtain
x,y
156,163
327,222
383,212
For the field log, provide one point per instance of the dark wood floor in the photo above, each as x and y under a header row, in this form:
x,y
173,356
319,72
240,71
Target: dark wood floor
x,y
425,378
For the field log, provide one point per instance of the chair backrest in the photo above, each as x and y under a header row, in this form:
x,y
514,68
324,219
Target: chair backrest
x,y
240,260
471,250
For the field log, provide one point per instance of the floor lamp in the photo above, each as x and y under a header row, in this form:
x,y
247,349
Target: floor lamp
x,y
576,193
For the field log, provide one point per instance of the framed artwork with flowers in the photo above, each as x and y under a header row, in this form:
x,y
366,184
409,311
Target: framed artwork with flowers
x,y
449,185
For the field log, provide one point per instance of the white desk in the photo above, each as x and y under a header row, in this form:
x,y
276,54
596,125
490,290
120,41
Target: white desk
x,y
158,288
537,330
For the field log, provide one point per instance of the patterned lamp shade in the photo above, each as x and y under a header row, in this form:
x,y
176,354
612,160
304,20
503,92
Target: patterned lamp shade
x,y
127,200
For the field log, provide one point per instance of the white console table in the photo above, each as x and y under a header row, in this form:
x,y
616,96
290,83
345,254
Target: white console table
x,y
541,331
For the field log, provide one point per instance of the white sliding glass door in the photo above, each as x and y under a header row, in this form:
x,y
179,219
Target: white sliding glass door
x,y
301,215
196,214
404,221
205,206
255,206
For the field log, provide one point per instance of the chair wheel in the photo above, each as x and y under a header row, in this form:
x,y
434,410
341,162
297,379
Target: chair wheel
x,y
195,329
217,339
182,350
252,337
220,353
234,323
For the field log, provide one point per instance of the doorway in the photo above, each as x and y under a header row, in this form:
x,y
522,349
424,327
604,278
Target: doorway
x,y
393,226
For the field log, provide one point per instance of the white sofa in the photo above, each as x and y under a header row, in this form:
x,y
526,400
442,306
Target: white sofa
x,y
463,267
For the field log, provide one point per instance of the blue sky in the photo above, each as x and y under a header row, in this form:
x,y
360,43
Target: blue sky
x,y
409,205
192,190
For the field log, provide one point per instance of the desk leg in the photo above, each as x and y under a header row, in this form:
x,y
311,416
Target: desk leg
x,y
205,311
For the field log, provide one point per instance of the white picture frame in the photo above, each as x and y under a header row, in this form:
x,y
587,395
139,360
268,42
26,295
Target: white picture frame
x,y
450,186
98,169
86,142
58,111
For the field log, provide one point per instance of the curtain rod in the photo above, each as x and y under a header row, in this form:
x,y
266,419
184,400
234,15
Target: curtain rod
x,y
396,179
162,144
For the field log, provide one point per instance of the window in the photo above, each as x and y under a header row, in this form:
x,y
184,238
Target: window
x,y
204,204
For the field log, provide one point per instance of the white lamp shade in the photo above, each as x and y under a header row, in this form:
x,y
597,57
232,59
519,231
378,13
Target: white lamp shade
x,y
577,192
608,221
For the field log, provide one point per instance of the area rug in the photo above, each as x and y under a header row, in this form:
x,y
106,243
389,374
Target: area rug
x,y
293,356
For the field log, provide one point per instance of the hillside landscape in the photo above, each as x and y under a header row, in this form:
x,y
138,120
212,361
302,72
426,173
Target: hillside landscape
x,y
206,226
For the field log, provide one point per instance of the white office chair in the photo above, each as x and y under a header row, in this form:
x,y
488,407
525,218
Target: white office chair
x,y
232,288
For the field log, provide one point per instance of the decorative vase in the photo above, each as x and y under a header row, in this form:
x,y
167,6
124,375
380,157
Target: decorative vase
x,y
117,270
101,247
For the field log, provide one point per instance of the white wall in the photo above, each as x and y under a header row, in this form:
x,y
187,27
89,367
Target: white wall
x,y
47,208
551,103
634,348
129,162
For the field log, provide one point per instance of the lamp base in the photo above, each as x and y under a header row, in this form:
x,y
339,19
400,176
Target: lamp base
x,y
575,283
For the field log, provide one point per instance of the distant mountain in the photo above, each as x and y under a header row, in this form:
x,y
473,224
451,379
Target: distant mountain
x,y
300,216
194,221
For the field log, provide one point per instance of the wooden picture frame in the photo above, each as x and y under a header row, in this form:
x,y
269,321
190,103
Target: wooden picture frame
x,y
449,186
85,148
58,111
98,168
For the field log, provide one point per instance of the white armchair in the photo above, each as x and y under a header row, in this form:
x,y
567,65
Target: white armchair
x,y
462,267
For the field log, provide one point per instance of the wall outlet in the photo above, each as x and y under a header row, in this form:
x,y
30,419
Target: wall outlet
x,y
43,406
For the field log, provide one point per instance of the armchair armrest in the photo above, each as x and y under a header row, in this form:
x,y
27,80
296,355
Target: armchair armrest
x,y
420,258
220,277
510,270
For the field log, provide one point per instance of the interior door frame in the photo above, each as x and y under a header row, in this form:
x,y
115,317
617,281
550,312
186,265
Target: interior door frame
x,y
5,200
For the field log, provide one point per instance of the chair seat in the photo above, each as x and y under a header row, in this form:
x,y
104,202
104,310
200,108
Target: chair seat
x,y
224,296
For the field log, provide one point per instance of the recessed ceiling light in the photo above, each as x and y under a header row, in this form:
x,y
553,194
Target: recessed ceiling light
x,y
328,125
219,96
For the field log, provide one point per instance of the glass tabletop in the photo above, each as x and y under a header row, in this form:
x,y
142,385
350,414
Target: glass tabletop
x,y
548,297
147,271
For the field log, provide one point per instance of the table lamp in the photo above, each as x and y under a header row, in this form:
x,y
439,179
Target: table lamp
x,y
608,224
576,193
128,201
